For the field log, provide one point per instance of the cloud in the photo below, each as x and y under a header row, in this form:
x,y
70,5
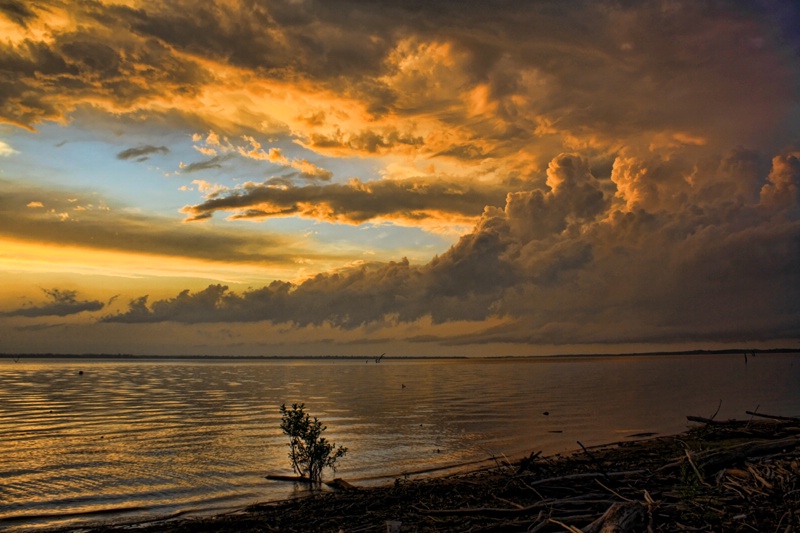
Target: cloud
x,y
411,201
17,12
307,169
101,226
59,62
443,82
141,153
61,303
212,144
570,264
375,141
6,150
630,168
214,162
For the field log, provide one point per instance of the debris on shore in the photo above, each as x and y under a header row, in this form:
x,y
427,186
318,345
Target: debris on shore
x,y
735,475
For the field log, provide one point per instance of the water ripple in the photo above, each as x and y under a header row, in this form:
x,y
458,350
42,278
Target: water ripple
x,y
138,440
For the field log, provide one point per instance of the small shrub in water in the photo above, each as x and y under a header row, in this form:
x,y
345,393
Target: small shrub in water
x,y
309,452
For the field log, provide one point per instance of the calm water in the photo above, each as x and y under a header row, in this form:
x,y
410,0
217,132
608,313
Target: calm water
x,y
128,441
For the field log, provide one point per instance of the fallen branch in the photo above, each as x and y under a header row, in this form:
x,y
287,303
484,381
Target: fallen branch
x,y
288,478
502,511
711,421
585,475
694,467
774,417
339,483
714,461
620,517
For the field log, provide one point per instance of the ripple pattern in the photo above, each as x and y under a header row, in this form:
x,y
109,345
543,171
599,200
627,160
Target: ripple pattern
x,y
84,441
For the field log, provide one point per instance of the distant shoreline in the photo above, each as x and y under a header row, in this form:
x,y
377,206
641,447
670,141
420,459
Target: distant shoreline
x,y
93,356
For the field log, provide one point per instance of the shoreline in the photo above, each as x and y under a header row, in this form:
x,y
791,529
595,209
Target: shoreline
x,y
735,475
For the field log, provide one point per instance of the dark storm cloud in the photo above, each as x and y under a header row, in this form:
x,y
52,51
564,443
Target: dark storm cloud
x,y
723,270
17,11
133,58
652,147
62,302
46,79
556,75
279,38
142,152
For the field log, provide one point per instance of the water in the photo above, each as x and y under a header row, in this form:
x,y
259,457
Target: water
x,y
139,440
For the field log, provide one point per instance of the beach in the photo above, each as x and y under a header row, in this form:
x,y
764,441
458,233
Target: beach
x,y
735,475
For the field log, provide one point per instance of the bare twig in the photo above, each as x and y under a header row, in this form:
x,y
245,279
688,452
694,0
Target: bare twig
x,y
584,475
569,528
694,467
615,493
717,411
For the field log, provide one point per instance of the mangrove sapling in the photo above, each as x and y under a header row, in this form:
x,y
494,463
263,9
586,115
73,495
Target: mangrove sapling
x,y
309,452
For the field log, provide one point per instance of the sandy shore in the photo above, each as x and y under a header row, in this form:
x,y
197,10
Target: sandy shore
x,y
717,476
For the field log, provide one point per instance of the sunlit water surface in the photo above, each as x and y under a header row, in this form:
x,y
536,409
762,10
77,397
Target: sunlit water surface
x,y
139,440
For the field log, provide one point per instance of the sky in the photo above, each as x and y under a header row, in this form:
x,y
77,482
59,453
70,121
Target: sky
x,y
302,177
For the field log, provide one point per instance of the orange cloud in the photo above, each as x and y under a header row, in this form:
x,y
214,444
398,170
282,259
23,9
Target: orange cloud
x,y
307,169
638,176
411,202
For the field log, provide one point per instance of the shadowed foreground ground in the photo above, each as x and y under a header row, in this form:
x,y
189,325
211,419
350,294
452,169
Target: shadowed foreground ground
x,y
718,476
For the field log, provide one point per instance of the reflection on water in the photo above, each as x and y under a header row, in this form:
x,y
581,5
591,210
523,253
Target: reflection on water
x,y
144,439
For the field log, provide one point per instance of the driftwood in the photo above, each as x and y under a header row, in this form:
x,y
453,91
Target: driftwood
x,y
712,422
277,477
339,483
584,475
336,483
713,461
774,417
737,423
735,476
496,511
619,517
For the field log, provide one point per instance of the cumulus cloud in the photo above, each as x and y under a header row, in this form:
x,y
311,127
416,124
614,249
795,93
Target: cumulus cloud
x,y
655,73
446,82
631,168
571,264
62,302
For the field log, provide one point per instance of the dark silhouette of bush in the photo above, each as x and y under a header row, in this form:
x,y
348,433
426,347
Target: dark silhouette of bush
x,y
310,453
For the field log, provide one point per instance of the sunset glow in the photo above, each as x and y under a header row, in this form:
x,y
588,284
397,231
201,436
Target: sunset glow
x,y
308,178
